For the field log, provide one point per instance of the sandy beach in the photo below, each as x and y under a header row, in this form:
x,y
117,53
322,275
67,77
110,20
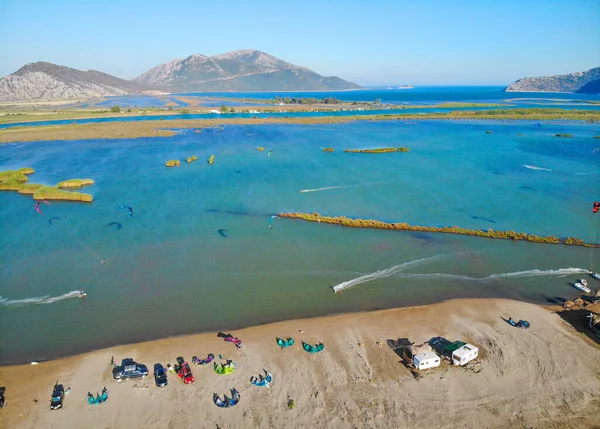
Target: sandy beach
x,y
547,376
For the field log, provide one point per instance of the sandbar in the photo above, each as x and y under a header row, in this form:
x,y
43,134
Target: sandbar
x,y
547,376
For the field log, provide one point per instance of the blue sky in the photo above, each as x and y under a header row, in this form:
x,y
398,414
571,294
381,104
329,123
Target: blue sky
x,y
371,42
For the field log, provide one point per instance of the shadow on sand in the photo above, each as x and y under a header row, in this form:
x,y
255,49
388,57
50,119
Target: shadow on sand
x,y
579,320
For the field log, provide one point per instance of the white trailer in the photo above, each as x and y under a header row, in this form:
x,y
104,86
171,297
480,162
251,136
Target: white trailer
x,y
426,360
464,354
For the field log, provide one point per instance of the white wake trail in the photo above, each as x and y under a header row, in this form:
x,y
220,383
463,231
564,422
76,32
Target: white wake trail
x,y
561,272
533,167
329,188
47,299
385,273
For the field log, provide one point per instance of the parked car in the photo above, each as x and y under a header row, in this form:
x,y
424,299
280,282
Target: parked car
x,y
58,394
129,369
160,375
184,371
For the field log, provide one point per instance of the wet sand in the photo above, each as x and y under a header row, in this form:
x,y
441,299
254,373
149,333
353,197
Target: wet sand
x,y
547,376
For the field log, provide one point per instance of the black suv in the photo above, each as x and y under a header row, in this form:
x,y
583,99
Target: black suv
x,y
58,394
129,369
160,375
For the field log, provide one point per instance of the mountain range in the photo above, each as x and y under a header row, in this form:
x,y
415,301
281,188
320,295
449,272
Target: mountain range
x,y
243,70
587,82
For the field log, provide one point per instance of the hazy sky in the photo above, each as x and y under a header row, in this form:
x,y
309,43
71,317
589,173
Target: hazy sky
x,y
370,42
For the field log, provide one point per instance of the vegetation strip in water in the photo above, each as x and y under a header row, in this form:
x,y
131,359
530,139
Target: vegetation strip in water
x,y
490,233
16,180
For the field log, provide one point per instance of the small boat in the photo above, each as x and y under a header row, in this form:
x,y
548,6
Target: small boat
x,y
594,275
582,287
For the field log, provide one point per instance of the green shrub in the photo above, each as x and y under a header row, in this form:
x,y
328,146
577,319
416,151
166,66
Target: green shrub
x,y
75,183
53,193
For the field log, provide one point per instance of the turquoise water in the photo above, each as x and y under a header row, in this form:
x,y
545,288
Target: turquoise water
x,y
198,255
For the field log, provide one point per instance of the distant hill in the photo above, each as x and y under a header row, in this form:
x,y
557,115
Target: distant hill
x,y
592,87
47,81
571,82
244,70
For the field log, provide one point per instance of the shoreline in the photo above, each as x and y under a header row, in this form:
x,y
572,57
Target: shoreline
x,y
245,326
164,128
250,326
356,379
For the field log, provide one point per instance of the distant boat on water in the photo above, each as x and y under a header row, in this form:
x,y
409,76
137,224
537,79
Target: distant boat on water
x,y
406,87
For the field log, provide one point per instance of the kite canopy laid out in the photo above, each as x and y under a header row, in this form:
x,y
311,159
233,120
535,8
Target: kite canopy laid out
x,y
226,369
98,399
234,340
53,219
313,349
117,224
285,343
596,207
126,208
37,206
227,402
262,381
235,397
208,359
269,153
222,403
271,220
222,233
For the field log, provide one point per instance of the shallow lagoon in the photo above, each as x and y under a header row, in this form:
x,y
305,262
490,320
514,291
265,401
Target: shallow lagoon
x,y
171,271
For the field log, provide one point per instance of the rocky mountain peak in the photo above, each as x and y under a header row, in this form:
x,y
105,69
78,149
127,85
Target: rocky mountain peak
x,y
241,70
46,81
570,82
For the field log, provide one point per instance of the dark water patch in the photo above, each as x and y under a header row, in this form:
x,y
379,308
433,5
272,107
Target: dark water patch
x,y
238,212
484,218
117,224
423,236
